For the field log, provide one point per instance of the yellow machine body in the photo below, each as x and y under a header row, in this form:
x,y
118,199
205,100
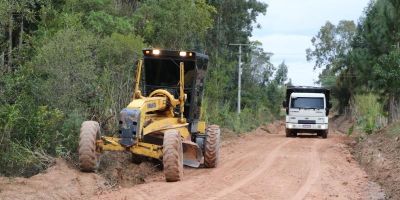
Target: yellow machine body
x,y
158,113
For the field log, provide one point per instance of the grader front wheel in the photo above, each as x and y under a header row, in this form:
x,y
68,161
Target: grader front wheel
x,y
88,157
211,153
172,156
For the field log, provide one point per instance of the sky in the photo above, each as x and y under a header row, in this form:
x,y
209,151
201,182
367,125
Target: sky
x,y
288,26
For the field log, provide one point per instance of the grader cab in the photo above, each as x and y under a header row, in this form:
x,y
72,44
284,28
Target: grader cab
x,y
163,121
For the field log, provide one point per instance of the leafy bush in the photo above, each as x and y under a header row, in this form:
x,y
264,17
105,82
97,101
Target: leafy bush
x,y
19,160
27,135
247,120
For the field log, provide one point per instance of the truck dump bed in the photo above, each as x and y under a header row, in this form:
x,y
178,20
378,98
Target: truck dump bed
x,y
304,89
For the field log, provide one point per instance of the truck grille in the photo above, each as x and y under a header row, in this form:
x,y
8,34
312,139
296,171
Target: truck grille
x,y
306,121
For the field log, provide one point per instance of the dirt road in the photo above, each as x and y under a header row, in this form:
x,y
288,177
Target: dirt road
x,y
255,166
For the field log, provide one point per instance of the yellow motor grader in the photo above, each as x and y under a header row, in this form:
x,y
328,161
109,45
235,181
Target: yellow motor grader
x,y
163,119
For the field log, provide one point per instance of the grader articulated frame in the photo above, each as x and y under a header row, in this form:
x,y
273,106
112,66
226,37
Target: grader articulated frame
x,y
163,119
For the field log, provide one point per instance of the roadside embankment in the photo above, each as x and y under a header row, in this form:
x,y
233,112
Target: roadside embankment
x,y
377,153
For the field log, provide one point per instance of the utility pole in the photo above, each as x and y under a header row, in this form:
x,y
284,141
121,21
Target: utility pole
x,y
239,74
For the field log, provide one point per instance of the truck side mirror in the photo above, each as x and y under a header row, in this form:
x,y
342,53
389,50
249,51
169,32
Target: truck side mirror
x,y
284,104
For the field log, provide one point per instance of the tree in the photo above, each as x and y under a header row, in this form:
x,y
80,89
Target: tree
x,y
375,55
281,74
331,47
67,62
16,16
260,66
179,24
331,44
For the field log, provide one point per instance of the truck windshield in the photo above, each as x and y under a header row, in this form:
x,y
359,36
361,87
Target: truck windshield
x,y
307,103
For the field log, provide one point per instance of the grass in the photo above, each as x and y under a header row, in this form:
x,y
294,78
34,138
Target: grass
x,y
367,111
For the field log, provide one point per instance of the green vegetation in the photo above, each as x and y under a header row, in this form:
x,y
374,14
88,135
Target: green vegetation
x,y
394,129
361,59
63,62
367,111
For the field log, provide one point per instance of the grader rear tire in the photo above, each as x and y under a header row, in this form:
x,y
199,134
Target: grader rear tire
x,y
211,154
172,156
88,157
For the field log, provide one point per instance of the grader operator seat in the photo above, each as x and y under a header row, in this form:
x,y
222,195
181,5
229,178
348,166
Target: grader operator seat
x,y
161,71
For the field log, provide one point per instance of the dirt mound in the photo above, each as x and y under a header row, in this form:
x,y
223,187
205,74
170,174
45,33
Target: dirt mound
x,y
379,156
65,181
117,168
58,182
342,124
276,127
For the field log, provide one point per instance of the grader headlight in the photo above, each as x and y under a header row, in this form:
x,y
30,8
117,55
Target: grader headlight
x,y
156,52
183,53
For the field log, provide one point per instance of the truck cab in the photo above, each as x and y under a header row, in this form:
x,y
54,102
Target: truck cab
x,y
307,110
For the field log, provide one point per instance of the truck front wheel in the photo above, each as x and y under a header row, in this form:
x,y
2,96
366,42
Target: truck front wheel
x,y
324,134
290,133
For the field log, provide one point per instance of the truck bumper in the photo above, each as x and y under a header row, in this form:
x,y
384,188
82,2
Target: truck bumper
x,y
307,126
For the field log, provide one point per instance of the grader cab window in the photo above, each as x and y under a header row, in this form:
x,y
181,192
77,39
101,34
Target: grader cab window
x,y
163,73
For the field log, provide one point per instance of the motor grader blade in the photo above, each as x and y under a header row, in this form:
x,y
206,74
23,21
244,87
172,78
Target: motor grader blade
x,y
192,154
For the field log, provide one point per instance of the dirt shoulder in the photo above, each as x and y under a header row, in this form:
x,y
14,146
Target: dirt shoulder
x,y
263,164
58,182
379,154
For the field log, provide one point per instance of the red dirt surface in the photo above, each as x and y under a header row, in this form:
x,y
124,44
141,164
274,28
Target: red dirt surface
x,y
259,165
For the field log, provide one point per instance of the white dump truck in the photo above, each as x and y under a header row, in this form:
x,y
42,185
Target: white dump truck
x,y
307,110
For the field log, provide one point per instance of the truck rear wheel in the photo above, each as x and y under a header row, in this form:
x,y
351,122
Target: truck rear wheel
x,y
172,156
211,153
89,159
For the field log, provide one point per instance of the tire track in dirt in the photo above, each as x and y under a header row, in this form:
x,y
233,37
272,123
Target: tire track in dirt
x,y
233,166
257,172
313,175
286,175
229,165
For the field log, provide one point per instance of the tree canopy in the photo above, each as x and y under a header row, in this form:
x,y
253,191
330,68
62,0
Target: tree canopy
x,y
362,58
63,62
